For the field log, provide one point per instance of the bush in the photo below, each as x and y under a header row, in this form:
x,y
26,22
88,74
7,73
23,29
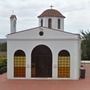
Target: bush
x,y
3,47
3,67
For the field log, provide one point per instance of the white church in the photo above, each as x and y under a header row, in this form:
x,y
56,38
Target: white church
x,y
44,52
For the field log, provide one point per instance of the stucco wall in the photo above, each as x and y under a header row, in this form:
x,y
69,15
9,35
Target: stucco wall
x,y
72,46
54,22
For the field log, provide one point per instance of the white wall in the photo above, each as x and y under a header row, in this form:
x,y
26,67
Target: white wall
x,y
13,25
54,22
55,45
48,34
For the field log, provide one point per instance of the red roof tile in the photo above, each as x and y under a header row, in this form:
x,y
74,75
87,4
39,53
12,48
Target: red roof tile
x,y
51,13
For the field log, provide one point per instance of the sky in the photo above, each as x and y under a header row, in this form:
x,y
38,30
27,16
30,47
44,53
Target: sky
x,y
77,13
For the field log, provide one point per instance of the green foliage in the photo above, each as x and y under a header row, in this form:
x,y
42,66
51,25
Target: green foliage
x,y
3,61
85,45
3,47
3,66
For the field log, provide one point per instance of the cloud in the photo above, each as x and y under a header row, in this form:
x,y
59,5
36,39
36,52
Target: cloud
x,y
78,20
77,13
78,6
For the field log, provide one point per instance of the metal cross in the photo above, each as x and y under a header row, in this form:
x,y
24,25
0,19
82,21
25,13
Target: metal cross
x,y
51,6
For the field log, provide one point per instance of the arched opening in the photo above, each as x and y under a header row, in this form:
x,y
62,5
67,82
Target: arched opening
x,y
49,23
64,64
41,22
41,62
19,64
59,23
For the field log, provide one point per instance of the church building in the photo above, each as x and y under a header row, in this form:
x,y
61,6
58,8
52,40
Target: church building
x,y
43,52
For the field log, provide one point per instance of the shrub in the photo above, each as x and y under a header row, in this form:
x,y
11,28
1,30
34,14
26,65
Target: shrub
x,y
3,67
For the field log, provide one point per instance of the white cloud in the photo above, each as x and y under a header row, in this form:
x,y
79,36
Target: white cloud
x,y
77,13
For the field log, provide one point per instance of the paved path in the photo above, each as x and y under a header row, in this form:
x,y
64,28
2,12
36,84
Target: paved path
x,y
83,84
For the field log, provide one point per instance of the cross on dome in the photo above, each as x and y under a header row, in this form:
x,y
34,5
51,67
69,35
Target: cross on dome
x,y
51,6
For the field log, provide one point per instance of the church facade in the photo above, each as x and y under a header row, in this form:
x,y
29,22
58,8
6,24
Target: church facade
x,y
44,52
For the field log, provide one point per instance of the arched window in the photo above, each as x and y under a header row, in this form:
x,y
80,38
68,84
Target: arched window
x,y
59,23
19,63
64,64
41,22
49,23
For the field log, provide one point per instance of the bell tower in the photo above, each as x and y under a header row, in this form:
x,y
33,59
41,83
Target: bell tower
x,y
13,20
52,18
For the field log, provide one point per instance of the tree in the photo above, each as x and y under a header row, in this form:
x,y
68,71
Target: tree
x,y
3,47
85,45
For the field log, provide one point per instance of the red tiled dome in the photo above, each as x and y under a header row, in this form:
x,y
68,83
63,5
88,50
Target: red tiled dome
x,y
51,13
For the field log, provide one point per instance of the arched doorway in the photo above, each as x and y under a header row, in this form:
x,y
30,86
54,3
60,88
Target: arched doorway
x,y
19,64
41,62
64,64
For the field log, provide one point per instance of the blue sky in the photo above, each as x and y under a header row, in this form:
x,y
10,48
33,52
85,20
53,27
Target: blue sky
x,y
77,13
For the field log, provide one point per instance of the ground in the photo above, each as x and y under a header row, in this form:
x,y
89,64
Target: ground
x,y
82,84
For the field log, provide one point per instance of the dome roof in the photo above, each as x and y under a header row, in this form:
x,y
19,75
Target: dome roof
x,y
51,13
13,16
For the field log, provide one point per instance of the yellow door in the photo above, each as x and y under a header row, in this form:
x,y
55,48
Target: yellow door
x,y
19,64
64,64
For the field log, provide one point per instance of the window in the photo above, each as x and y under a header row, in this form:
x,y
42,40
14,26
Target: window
x,y
49,23
64,64
41,33
19,63
41,22
59,23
